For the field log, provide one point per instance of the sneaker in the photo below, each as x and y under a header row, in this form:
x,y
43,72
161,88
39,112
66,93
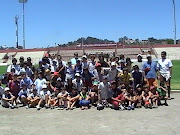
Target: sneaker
x,y
132,107
12,107
121,107
61,107
15,106
150,106
38,107
129,108
27,106
166,104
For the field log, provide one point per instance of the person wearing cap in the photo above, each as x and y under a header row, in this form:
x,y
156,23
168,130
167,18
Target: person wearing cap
x,y
13,66
125,77
33,98
165,70
78,82
139,62
54,66
84,62
92,62
98,72
44,97
39,82
8,100
113,72
74,60
21,61
149,71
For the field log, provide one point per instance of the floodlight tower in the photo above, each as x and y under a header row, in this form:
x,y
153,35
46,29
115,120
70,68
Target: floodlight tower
x,y
23,2
17,36
174,13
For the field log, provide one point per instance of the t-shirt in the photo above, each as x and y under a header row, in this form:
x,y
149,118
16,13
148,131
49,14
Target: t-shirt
x,y
43,93
26,81
14,87
161,92
163,65
16,67
38,83
150,69
71,94
62,93
105,90
112,74
23,92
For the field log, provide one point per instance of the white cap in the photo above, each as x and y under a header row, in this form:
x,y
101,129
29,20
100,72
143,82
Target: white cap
x,y
84,56
139,55
44,86
113,63
6,89
77,74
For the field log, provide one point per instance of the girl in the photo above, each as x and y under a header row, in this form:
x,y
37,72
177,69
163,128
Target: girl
x,y
84,98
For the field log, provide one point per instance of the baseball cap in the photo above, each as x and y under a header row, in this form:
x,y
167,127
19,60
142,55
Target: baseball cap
x,y
139,55
84,56
95,83
21,58
148,56
6,89
58,79
28,58
121,61
78,75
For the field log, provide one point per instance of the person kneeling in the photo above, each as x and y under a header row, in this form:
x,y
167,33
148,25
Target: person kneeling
x,y
84,99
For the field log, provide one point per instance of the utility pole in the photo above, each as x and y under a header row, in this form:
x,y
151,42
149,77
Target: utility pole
x,y
17,36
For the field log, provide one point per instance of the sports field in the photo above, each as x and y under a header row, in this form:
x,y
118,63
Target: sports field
x,y
175,82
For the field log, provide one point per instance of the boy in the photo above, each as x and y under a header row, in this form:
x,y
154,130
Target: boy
x,y
84,99
154,96
162,95
23,95
62,97
93,93
146,98
44,97
53,100
8,100
72,98
33,98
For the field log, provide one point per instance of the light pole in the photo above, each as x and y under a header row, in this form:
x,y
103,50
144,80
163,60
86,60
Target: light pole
x,y
23,1
16,22
174,13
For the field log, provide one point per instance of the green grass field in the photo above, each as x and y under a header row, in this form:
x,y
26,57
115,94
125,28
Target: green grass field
x,y
175,81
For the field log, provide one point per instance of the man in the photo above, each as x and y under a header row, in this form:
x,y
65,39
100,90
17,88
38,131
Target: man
x,y
165,70
112,74
150,69
74,60
139,62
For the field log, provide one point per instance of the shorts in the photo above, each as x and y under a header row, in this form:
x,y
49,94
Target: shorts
x,y
152,82
84,102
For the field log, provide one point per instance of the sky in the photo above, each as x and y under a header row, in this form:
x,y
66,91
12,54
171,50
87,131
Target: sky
x,y
59,21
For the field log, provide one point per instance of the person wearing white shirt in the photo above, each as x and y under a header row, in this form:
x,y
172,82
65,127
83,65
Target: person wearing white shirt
x,y
164,66
14,66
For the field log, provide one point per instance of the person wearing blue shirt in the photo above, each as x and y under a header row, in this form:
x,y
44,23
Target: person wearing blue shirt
x,y
150,69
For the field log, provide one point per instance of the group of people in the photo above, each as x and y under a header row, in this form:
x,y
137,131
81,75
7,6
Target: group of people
x,y
87,81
